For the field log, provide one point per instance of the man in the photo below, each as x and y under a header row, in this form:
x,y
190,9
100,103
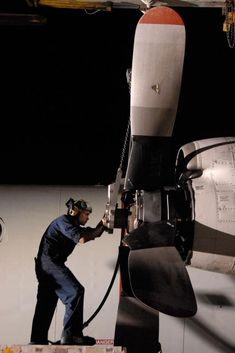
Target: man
x,y
56,281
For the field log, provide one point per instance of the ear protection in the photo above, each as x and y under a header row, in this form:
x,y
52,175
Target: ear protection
x,y
72,209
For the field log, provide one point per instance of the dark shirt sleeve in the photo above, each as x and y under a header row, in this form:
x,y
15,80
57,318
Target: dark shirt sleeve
x,y
73,231
69,229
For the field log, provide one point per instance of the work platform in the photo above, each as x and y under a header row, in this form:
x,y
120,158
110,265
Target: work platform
x,y
60,349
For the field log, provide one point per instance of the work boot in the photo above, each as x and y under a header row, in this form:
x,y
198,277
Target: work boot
x,y
78,341
39,342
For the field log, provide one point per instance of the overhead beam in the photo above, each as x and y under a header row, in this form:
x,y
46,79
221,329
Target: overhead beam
x,y
76,4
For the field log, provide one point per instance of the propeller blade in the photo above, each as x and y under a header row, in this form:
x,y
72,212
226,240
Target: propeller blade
x,y
160,280
150,235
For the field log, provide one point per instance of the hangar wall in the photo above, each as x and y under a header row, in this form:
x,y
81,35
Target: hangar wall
x,y
26,212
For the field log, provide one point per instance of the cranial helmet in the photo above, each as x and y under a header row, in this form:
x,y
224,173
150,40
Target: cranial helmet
x,y
75,207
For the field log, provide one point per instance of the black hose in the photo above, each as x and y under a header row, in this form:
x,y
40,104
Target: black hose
x,y
86,323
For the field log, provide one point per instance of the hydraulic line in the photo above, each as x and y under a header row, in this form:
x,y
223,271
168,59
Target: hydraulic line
x,y
86,323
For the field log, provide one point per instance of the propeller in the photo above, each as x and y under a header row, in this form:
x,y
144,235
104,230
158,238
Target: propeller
x,y
160,280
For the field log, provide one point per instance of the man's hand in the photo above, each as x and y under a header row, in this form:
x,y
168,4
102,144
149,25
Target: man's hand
x,y
104,220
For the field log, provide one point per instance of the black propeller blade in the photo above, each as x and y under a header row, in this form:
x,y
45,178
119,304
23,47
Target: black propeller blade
x,y
160,280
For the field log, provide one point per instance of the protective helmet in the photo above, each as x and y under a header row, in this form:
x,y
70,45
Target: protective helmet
x,y
74,207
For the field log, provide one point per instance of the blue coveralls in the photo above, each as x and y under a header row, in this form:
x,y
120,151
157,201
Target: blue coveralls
x,y
55,280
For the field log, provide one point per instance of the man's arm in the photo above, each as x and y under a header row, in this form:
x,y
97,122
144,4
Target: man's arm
x,y
92,233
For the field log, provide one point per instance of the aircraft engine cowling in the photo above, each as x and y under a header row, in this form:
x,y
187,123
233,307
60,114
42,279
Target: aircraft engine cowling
x,y
208,168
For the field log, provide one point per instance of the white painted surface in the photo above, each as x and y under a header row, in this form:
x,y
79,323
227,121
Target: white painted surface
x,y
27,211
157,66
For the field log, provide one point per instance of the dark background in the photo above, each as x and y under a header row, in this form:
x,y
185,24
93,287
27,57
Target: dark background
x,y
64,99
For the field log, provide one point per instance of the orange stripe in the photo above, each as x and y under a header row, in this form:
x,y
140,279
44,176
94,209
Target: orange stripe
x,y
161,15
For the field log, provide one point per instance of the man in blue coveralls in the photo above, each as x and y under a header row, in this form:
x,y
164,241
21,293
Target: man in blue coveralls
x,y
56,281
